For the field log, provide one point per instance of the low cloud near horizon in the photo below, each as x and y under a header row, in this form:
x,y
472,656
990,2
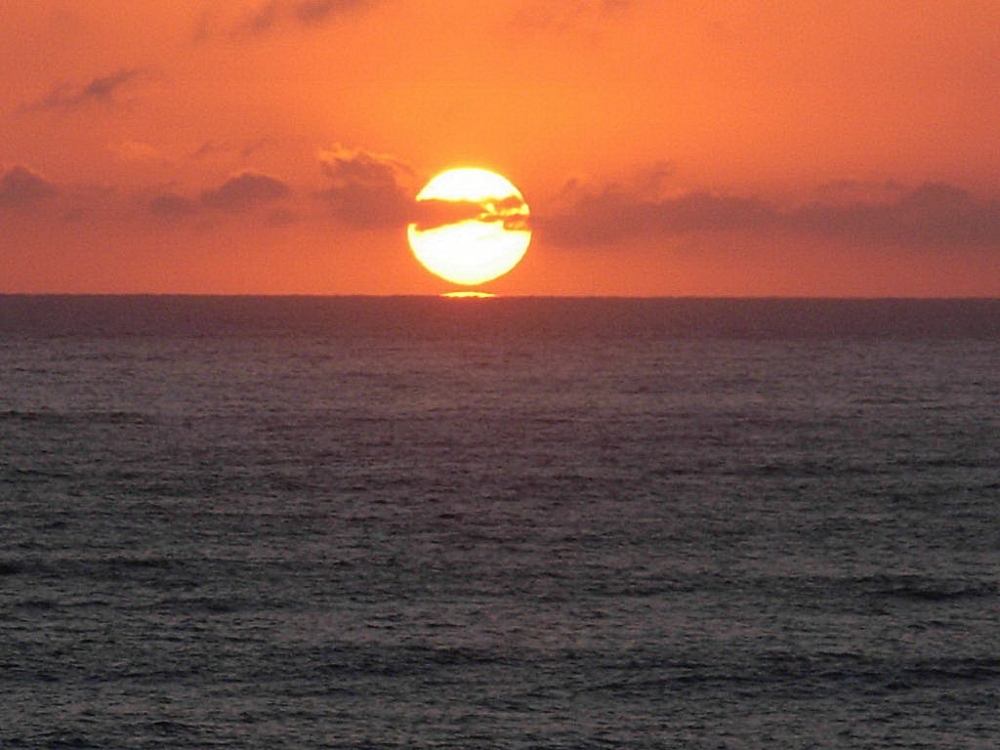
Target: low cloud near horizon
x,y
368,191
934,213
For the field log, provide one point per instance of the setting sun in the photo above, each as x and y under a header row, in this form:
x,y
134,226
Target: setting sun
x,y
471,226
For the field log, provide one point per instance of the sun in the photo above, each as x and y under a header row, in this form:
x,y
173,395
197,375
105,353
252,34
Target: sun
x,y
471,226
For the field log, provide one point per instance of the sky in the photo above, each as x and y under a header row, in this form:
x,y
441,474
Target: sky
x,y
665,147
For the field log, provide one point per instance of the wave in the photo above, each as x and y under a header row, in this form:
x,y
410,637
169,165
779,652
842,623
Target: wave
x,y
60,418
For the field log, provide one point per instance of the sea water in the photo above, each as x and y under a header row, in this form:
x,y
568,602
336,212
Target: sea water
x,y
507,523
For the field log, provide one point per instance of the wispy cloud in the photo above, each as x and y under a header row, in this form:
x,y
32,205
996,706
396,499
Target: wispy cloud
x,y
214,148
210,148
102,90
258,21
274,15
311,12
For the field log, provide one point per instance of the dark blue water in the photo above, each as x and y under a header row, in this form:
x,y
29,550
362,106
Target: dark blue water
x,y
429,523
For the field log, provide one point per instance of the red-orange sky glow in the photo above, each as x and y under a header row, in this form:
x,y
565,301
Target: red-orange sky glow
x,y
718,147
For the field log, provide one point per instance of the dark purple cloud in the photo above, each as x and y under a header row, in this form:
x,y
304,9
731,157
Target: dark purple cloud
x,y
613,215
931,214
312,12
20,186
172,206
860,191
429,214
245,191
101,90
273,15
261,20
282,217
367,190
210,148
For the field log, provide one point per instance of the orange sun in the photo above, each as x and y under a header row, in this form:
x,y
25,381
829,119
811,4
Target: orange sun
x,y
471,226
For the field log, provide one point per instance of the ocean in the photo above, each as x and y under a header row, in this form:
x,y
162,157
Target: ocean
x,y
499,523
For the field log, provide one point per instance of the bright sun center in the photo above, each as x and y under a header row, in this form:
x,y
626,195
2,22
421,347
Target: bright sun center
x,y
471,226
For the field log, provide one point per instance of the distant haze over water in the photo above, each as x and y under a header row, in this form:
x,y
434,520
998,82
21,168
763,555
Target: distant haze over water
x,y
388,316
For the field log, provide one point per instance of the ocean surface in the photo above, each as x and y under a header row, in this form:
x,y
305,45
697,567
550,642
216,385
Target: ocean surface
x,y
506,523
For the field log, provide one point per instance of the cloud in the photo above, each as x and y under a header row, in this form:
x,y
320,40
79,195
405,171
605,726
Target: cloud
x,y
260,20
273,15
432,213
101,90
614,214
245,191
311,12
930,214
214,148
172,206
854,191
376,191
367,190
20,186
210,148
282,217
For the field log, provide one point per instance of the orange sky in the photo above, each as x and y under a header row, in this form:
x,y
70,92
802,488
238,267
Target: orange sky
x,y
717,147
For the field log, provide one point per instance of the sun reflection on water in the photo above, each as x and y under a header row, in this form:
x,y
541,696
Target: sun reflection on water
x,y
468,294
